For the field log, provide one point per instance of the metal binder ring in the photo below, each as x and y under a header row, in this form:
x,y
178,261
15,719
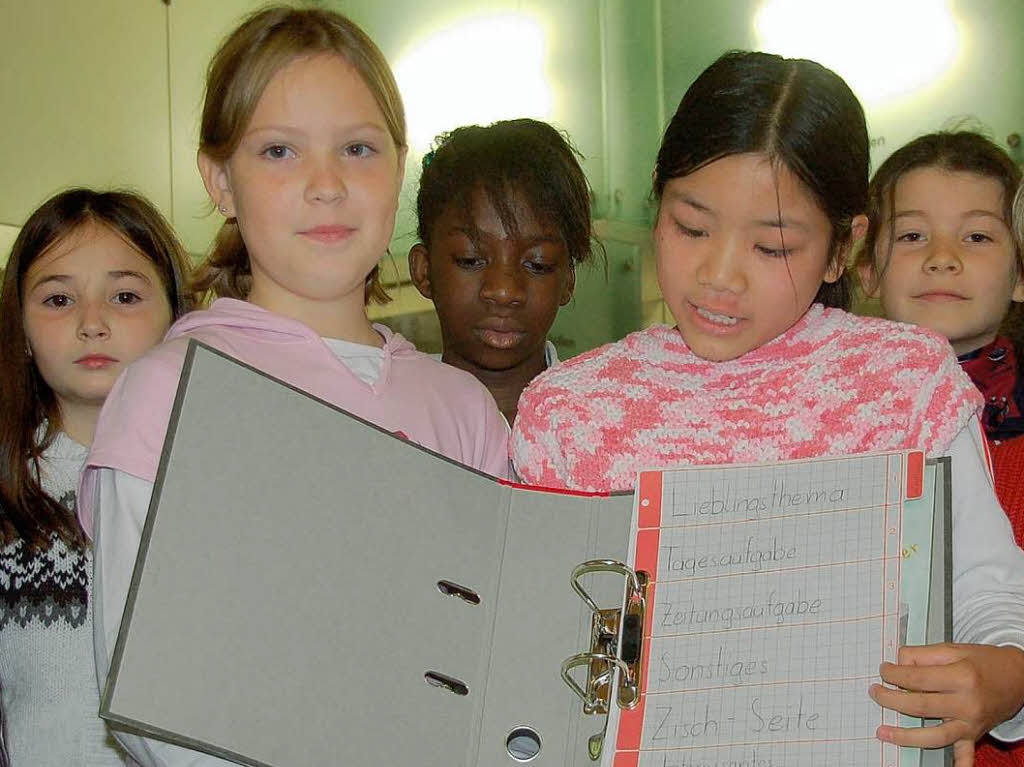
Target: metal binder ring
x,y
586,658
602,566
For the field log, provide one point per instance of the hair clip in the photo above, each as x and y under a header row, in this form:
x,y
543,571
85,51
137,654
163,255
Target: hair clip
x,y
428,158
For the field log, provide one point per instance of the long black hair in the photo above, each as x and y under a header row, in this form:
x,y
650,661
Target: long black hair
x,y
798,114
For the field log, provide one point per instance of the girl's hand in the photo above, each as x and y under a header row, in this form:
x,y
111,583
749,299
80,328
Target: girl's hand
x,y
972,688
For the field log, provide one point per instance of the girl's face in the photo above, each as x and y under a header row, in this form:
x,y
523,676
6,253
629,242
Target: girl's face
x,y
93,304
949,262
313,184
742,249
496,294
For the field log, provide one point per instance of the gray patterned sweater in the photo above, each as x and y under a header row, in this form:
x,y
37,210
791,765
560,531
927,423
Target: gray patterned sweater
x,y
47,670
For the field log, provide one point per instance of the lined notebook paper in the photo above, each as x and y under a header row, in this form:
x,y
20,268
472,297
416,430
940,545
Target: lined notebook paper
x,y
776,595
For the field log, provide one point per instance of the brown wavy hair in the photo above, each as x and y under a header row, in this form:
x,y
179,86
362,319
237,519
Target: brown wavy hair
x,y
1018,217
28,404
247,60
958,151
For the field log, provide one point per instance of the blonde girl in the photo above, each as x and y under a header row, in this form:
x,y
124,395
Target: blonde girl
x,y
302,150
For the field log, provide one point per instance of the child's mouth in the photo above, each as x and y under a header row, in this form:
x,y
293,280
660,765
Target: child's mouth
x,y
328,235
939,297
718,319
500,339
95,361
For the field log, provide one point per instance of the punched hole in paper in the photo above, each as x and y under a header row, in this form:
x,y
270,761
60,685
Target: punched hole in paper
x,y
445,682
448,588
523,744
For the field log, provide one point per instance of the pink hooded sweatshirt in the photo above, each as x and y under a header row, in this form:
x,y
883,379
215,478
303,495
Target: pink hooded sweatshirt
x,y
432,404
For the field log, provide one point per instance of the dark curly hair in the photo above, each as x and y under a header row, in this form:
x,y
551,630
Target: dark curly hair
x,y
524,156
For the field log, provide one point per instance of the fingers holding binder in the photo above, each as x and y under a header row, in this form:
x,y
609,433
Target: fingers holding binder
x,y
971,687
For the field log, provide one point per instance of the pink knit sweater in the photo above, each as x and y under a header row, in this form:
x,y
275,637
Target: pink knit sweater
x,y
832,384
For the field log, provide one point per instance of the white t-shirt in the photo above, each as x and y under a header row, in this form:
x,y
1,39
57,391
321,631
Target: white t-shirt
x,y
361,359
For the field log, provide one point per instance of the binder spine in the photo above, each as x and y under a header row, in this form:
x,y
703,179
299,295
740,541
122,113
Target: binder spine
x,y
616,642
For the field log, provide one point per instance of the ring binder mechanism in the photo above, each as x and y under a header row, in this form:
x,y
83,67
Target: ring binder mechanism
x,y
607,652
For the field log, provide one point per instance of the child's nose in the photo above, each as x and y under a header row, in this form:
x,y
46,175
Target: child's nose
x,y
942,257
722,269
92,320
503,284
326,181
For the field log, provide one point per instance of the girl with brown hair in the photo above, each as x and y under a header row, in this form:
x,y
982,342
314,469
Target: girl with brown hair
x,y
93,281
939,253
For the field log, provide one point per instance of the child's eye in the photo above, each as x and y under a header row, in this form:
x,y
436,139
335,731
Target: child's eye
x,y
909,237
359,150
690,232
540,267
773,252
277,152
126,297
57,301
979,237
469,262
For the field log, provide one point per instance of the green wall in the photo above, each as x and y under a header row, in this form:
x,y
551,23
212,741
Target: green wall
x,y
112,97
982,83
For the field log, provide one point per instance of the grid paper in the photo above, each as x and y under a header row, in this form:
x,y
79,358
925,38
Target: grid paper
x,y
775,595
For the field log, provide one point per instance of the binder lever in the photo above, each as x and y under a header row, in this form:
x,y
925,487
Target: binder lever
x,y
616,641
594,701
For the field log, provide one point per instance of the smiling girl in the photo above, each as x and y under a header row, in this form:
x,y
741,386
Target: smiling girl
x,y
762,182
93,281
302,150
939,253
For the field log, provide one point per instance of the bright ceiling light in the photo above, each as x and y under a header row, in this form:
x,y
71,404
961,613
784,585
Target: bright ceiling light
x,y
475,72
884,49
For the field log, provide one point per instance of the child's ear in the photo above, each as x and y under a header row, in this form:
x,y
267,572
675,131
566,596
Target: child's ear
x,y
419,269
868,283
1018,289
570,286
403,152
858,228
834,270
217,183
